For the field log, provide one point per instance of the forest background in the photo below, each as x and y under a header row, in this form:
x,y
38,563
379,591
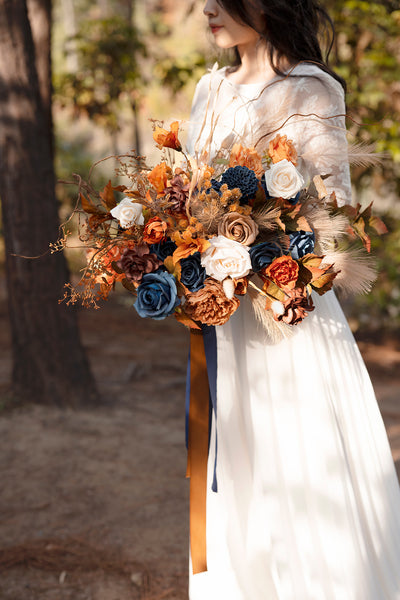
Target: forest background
x,y
80,81
94,501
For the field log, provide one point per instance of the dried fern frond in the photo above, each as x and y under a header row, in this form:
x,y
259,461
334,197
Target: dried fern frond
x,y
326,226
266,217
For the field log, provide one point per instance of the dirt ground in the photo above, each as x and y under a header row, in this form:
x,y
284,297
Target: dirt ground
x,y
94,503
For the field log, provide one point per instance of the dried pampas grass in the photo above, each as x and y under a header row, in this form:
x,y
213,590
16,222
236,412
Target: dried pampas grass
x,y
364,155
274,330
325,225
357,271
266,217
208,214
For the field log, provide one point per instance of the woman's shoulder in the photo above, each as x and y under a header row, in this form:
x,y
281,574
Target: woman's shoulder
x,y
210,78
310,77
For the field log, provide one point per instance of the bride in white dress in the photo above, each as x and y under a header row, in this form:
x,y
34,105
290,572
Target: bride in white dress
x,y
308,502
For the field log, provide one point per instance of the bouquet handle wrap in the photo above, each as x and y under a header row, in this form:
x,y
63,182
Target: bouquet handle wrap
x,y
198,450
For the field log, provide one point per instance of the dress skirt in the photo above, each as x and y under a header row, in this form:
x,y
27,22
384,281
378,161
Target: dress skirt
x,y
308,502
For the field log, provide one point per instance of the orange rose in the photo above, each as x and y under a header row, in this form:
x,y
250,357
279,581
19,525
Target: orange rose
x,y
159,177
280,148
154,231
284,271
168,139
246,157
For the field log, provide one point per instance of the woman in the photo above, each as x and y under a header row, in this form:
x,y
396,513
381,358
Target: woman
x,y
308,502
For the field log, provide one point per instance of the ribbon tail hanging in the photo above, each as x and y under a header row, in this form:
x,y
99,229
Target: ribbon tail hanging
x,y
198,450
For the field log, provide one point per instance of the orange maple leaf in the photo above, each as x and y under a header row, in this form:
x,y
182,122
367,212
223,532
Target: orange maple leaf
x,y
168,139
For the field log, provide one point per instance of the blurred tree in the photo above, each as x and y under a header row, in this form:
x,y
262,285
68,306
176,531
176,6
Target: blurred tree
x,y
50,365
367,55
117,60
109,75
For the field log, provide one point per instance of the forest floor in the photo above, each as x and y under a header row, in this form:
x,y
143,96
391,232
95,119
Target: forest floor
x,y
94,502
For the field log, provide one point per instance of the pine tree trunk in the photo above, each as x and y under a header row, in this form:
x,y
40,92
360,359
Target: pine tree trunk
x,y
49,365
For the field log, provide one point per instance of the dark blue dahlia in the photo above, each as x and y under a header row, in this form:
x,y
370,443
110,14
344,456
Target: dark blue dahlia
x,y
216,185
242,178
301,243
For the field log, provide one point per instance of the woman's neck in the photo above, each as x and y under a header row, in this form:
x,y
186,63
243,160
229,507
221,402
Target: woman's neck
x,y
255,65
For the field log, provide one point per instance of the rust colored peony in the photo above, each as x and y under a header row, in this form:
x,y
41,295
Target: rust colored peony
x,y
296,307
137,262
154,231
168,139
210,305
281,148
238,227
159,176
246,157
284,271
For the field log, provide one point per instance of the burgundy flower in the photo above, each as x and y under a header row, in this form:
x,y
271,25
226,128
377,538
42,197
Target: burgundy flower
x,y
295,308
177,193
137,262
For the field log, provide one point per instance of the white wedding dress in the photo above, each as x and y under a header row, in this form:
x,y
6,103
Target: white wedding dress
x,y
308,502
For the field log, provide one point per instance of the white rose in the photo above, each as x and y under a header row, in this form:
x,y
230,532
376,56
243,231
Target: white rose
x,y
283,180
226,258
128,213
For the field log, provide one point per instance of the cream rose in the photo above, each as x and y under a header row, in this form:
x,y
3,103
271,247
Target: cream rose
x,y
128,213
283,180
226,258
238,227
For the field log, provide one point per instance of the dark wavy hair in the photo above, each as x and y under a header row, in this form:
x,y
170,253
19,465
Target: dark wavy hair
x,y
291,28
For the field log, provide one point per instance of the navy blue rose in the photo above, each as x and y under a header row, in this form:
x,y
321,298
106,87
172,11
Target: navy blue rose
x,y
301,243
156,296
163,249
263,254
193,273
242,178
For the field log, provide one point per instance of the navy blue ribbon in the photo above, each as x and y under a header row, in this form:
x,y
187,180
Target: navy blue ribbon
x,y
210,348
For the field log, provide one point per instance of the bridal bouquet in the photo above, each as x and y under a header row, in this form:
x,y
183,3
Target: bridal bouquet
x,y
190,239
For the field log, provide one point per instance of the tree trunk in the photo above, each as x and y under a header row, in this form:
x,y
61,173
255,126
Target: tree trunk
x,y
49,363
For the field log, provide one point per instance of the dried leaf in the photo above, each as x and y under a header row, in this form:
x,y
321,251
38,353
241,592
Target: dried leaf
x,y
302,224
116,268
378,225
317,187
310,269
107,196
359,228
128,285
89,207
324,283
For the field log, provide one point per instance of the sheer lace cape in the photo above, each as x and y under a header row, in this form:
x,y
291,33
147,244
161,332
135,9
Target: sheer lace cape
x,y
306,104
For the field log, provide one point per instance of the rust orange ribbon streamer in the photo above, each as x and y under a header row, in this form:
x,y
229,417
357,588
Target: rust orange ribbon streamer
x,y
198,450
